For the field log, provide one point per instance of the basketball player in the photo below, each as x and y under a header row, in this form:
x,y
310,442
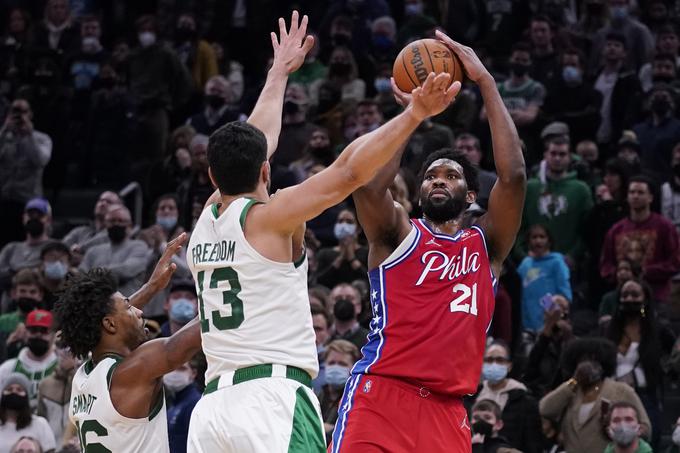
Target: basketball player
x,y
117,401
246,254
432,293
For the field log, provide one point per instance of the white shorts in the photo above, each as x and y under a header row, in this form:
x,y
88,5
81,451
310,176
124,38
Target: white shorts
x,y
272,414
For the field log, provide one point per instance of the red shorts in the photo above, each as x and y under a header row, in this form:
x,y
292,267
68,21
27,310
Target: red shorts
x,y
380,414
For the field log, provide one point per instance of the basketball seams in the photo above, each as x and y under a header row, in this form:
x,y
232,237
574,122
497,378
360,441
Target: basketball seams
x,y
429,56
403,61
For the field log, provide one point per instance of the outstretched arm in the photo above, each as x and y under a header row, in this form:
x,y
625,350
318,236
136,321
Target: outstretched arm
x,y
358,163
289,54
502,220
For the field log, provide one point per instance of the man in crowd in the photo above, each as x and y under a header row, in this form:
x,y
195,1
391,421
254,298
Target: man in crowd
x,y
183,397
55,265
217,111
623,428
346,305
126,258
469,145
26,295
181,305
194,192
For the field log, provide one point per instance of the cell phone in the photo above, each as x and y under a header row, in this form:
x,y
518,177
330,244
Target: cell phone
x,y
547,302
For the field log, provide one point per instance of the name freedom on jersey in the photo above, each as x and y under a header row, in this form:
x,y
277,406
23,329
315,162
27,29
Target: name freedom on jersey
x,y
213,252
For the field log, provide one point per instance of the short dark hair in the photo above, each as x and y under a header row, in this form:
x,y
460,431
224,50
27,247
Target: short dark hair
x,y
542,18
27,276
644,180
597,349
469,171
367,103
54,246
557,139
575,51
82,303
621,405
323,312
236,152
146,19
488,406
665,57
618,37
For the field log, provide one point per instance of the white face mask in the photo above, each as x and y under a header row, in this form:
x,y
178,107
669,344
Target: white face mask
x,y
177,380
147,38
676,436
344,230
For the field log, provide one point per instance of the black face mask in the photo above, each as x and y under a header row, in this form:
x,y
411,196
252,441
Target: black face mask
x,y
482,427
631,308
38,346
183,34
14,402
519,70
450,209
116,233
214,101
660,106
343,310
290,108
34,228
340,68
26,305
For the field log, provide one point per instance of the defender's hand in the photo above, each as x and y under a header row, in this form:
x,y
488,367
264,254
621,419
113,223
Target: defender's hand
x,y
433,97
165,267
293,45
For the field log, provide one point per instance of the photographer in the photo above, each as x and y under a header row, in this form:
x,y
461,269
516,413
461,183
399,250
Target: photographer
x,y
24,153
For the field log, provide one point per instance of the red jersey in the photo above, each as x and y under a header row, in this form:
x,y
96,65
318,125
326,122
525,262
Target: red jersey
x,y
432,301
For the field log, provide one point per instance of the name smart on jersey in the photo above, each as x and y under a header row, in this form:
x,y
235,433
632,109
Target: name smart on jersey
x,y
451,267
83,403
213,252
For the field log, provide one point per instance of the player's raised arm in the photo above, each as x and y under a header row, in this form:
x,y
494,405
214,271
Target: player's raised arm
x,y
360,161
506,201
290,49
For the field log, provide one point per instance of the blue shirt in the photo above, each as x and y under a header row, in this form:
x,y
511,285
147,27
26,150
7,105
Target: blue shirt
x,y
179,415
540,276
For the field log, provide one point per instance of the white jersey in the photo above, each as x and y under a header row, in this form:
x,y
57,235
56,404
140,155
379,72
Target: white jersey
x,y
253,310
99,424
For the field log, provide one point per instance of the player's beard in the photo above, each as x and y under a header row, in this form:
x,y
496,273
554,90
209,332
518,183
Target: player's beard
x,y
442,211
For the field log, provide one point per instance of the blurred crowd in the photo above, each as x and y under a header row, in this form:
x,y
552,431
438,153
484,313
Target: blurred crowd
x,y
582,353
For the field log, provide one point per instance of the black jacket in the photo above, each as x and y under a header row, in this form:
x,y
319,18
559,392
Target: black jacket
x,y
522,422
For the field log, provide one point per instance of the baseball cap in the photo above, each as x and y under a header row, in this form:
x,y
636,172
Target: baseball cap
x,y
39,318
554,128
39,204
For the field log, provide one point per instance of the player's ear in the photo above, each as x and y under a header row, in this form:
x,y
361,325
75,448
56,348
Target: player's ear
x,y
471,196
212,178
109,324
266,173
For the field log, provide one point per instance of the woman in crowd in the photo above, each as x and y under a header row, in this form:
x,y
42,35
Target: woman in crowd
x,y
347,261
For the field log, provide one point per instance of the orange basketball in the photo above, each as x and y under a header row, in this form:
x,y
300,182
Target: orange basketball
x,y
419,58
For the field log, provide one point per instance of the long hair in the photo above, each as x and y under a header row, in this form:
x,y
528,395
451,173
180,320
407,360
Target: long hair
x,y
23,416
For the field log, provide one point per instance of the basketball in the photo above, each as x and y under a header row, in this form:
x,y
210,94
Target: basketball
x,y
419,58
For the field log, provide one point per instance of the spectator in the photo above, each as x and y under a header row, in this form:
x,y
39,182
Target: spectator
x,y
559,201
55,265
38,359
552,438
663,72
625,270
159,83
581,403
588,167
26,444
16,420
181,305
321,321
383,39
312,69
658,134
167,175
427,138
37,219
126,258
318,151
57,32
16,42
542,373
642,344
637,37
348,260
24,153
193,193
343,73
384,97
485,427
84,64
295,128
675,438
657,235
218,109
545,60
667,44
339,358
618,86
543,273
81,238
185,395
521,423
54,392
469,144
345,303
670,190
628,150
26,295
572,99
196,55
624,429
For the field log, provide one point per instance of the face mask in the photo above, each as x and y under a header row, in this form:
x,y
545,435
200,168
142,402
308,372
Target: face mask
x,y
55,270
14,402
676,436
27,305
634,308
413,9
116,233
336,375
518,69
147,38
182,311
343,310
168,223
624,434
344,230
34,228
38,346
382,85
91,44
177,380
494,372
619,12
572,75
482,427
660,106
382,43
290,108
340,68
214,101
